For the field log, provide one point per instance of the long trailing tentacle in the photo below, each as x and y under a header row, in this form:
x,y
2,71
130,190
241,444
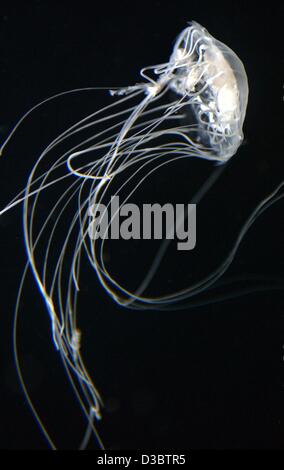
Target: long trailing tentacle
x,y
117,146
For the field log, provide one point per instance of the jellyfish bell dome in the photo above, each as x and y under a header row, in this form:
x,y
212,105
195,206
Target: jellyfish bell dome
x,y
214,79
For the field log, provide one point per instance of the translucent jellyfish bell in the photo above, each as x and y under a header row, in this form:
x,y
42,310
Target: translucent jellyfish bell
x,y
214,78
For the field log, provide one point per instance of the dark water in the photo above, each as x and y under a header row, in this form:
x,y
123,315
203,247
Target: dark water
x,y
207,377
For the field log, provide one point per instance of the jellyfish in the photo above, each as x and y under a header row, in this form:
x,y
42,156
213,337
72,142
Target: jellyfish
x,y
191,107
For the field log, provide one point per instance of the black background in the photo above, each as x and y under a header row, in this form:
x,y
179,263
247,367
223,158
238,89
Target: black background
x,y
209,377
